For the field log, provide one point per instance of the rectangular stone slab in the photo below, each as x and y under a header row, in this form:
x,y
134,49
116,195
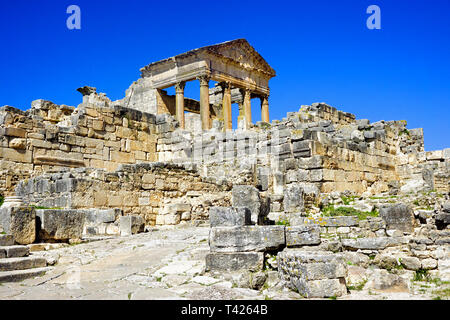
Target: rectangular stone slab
x,y
229,216
15,251
252,261
60,224
20,222
246,238
302,235
10,264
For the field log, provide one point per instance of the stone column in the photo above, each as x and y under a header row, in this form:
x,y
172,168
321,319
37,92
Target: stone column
x,y
226,107
265,109
204,102
179,101
247,108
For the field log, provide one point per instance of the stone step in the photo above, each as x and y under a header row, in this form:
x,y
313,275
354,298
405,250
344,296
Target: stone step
x,y
6,240
11,264
19,275
14,251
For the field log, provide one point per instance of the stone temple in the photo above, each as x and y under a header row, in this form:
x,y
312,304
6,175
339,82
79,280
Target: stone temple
x,y
308,189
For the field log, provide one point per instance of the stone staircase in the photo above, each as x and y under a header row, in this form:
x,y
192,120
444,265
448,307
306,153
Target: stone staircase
x,y
15,262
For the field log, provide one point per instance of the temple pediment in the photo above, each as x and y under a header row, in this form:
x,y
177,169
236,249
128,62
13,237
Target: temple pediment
x,y
236,58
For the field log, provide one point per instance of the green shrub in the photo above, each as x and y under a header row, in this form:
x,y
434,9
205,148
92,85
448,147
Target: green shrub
x,y
331,211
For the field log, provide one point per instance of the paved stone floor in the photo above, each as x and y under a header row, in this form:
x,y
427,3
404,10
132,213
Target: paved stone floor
x,y
165,263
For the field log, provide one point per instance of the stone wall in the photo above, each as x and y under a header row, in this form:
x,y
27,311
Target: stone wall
x,y
49,137
321,147
160,193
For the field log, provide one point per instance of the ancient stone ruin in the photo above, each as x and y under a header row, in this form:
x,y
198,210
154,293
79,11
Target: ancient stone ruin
x,y
327,201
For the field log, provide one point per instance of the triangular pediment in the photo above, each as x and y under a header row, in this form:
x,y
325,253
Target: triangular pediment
x,y
241,52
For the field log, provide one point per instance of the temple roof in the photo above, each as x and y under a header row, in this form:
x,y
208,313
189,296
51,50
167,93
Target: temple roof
x,y
238,50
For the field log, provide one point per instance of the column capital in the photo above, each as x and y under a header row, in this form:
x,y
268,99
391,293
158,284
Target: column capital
x,y
204,80
179,87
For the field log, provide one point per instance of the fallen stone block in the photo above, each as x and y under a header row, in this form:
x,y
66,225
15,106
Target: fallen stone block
x,y
229,216
246,238
442,220
313,273
399,217
383,280
131,224
20,222
60,224
368,243
247,196
302,235
253,261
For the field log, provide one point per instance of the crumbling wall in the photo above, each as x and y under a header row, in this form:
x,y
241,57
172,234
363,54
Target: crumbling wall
x,y
151,190
49,137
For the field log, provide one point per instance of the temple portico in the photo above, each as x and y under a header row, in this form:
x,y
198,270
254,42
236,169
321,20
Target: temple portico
x,y
240,74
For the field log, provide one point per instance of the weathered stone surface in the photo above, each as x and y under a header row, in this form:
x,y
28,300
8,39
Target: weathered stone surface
x,y
229,216
15,251
382,280
302,235
338,221
253,261
410,263
131,224
10,264
312,273
246,238
60,224
20,222
19,275
399,216
366,243
442,220
293,198
6,240
247,196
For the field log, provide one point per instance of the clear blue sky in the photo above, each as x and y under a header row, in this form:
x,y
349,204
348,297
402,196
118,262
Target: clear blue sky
x,y
321,50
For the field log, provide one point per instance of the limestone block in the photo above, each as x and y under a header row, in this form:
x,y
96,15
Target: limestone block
x,y
293,198
16,155
398,216
131,224
313,273
383,280
60,224
253,261
367,243
302,235
18,143
6,240
410,263
229,216
246,238
20,222
15,132
247,196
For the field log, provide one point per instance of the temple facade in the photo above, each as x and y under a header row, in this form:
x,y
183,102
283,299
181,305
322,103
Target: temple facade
x,y
240,73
